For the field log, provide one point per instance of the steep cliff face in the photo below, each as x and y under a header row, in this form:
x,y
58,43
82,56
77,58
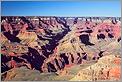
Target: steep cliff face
x,y
57,44
40,44
3,39
28,38
107,68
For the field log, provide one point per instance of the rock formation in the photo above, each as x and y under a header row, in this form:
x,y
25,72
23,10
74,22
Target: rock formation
x,y
53,44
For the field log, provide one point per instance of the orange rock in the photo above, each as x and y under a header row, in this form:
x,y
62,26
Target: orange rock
x,y
115,72
68,66
117,61
117,31
3,51
11,54
12,64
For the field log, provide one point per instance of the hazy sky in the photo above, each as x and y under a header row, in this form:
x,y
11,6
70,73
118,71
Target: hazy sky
x,y
62,8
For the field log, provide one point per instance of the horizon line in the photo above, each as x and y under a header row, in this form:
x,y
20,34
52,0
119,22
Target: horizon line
x,y
58,16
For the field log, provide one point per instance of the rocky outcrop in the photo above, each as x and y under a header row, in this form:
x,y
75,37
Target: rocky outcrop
x,y
39,45
51,44
107,68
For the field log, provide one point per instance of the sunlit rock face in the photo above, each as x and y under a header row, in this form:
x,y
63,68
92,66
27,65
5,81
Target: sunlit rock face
x,y
56,44
107,68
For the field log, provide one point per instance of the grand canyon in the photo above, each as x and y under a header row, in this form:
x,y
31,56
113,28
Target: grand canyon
x,y
50,48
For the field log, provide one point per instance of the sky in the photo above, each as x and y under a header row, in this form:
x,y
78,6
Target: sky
x,y
104,8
